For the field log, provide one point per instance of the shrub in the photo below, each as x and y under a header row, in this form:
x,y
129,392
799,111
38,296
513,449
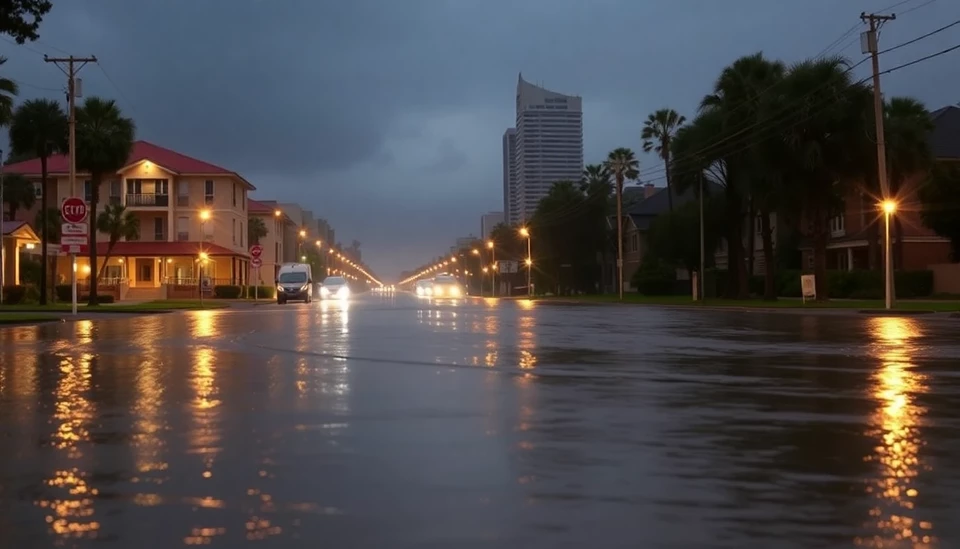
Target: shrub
x,y
64,293
262,292
14,295
653,278
227,291
101,298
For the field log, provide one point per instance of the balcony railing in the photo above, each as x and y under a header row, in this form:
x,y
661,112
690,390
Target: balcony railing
x,y
161,200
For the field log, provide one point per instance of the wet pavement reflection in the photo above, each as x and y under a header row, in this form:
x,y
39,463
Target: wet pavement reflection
x,y
389,421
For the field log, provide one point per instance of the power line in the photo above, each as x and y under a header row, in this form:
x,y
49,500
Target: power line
x,y
919,38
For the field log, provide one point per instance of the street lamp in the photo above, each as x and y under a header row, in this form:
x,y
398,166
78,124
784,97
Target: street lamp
x,y
204,217
201,260
889,208
493,271
524,232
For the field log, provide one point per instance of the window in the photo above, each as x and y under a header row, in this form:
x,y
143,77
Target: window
x,y
88,191
241,234
759,224
233,227
234,195
115,192
837,225
183,193
158,228
183,229
37,189
208,192
208,229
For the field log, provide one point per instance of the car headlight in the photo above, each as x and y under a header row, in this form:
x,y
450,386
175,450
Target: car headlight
x,y
280,288
304,287
438,291
324,290
343,292
419,290
455,292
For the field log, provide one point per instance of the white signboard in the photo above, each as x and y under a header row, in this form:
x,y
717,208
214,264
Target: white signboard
x,y
808,287
73,240
74,229
507,267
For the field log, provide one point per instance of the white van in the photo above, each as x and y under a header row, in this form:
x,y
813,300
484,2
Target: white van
x,y
295,281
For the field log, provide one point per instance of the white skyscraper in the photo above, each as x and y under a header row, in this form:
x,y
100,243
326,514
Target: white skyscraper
x,y
548,147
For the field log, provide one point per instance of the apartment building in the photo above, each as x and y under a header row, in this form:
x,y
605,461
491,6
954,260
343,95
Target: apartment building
x,y
272,256
192,217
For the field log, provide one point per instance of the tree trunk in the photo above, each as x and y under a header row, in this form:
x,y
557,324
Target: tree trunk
x,y
666,164
769,261
820,238
53,280
44,223
92,220
737,287
873,245
619,236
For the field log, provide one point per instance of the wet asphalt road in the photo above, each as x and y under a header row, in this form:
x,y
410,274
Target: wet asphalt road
x,y
390,422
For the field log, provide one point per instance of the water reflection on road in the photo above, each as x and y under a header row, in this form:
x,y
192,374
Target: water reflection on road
x,y
397,422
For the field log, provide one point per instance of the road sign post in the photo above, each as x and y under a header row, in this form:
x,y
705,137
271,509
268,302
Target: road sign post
x,y
73,210
255,252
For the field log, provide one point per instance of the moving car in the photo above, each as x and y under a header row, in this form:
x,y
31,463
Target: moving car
x,y
424,288
446,285
294,282
334,287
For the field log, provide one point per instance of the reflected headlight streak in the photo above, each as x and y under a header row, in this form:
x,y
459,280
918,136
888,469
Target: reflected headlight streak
x,y
342,292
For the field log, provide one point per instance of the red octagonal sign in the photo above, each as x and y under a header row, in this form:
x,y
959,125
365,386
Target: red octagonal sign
x,y
73,210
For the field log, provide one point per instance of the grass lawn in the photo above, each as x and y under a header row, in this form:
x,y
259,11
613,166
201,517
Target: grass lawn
x,y
24,318
783,303
146,307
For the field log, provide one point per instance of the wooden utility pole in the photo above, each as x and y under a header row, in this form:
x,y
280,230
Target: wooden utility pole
x,y
71,66
869,41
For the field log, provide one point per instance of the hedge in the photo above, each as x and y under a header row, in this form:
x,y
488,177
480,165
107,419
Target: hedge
x,y
227,291
14,295
262,292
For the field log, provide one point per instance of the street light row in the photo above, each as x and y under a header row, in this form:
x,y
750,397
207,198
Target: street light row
x,y
492,268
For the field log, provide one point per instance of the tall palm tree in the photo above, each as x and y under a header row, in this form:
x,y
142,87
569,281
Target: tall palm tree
x,y
827,145
116,222
658,132
18,193
39,129
104,140
8,92
622,163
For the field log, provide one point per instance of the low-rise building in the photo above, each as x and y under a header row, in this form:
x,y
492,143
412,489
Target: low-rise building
x,y
271,256
192,217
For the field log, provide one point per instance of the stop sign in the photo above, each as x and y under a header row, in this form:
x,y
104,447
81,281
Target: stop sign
x,y
73,210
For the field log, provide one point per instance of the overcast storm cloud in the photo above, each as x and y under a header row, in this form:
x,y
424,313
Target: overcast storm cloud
x,y
385,116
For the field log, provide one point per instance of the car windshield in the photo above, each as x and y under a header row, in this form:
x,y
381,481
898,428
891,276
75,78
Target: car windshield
x,y
293,278
445,280
334,280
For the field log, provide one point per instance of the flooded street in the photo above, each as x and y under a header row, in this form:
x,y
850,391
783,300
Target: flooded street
x,y
396,422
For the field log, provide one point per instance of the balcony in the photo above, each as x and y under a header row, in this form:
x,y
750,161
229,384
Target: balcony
x,y
148,200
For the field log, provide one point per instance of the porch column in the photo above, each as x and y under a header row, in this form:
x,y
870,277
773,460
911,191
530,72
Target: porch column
x,y
849,259
16,264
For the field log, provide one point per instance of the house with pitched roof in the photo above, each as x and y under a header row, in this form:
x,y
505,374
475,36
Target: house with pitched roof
x,y
192,214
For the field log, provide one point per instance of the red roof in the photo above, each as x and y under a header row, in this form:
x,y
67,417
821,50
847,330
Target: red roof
x,y
164,249
165,158
254,206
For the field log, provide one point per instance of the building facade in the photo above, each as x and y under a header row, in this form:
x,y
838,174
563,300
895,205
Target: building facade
x,y
272,243
488,221
510,175
549,145
192,223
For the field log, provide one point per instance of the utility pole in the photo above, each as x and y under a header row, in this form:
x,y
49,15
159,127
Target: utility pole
x,y
869,42
71,66
703,260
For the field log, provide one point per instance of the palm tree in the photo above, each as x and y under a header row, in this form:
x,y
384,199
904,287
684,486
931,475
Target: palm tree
x,y
104,140
827,145
658,131
623,165
39,128
256,229
8,91
116,222
51,223
18,193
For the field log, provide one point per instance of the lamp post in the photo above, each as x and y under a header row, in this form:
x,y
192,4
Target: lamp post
x,y
202,258
889,208
493,272
524,232
303,234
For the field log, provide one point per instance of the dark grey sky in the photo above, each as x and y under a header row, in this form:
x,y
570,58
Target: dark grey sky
x,y
385,116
